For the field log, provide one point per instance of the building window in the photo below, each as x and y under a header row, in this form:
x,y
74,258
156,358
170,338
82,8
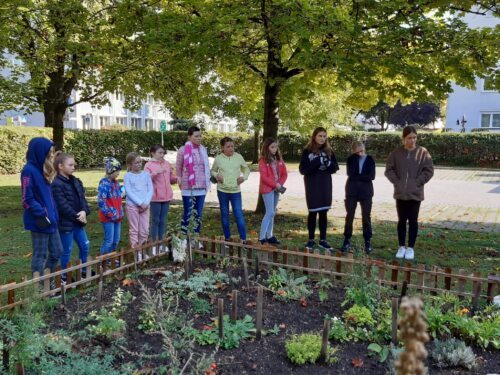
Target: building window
x,y
150,100
121,120
149,124
490,120
119,95
135,123
103,121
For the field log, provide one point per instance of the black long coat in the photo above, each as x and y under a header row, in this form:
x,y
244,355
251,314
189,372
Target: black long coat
x,y
318,179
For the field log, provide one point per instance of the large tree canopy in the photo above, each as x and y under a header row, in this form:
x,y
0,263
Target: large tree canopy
x,y
52,47
385,50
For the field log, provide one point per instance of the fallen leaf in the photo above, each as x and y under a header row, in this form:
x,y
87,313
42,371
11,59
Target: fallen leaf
x,y
282,326
357,362
430,234
251,304
3,261
206,327
129,282
303,302
27,255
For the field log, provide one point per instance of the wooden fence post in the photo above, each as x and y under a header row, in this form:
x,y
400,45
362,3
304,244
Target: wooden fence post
x,y
234,305
491,286
420,277
394,274
99,286
258,323
256,266
11,294
338,265
476,290
324,343
220,309
305,261
46,282
461,284
245,272
394,323
447,279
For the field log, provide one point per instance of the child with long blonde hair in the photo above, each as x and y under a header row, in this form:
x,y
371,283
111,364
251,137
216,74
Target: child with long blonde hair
x,y
40,213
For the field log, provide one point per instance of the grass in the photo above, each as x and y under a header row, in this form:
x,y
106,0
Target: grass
x,y
472,251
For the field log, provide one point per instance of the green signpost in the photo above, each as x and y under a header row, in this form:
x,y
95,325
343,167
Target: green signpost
x,y
163,128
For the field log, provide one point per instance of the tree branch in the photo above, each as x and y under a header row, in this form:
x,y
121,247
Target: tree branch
x,y
255,69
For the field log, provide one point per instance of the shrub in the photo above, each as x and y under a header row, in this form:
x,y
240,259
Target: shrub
x,y
453,353
90,146
359,316
306,348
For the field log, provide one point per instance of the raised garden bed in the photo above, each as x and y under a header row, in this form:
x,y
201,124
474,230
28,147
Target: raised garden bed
x,y
126,331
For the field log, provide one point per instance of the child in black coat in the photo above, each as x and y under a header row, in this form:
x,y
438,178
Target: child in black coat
x,y
359,188
318,163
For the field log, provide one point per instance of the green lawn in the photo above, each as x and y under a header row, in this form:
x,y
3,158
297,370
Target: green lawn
x,y
472,251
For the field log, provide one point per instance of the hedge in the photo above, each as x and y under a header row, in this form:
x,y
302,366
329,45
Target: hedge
x,y
90,146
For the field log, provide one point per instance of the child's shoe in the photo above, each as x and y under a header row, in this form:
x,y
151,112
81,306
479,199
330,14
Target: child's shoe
x,y
153,250
368,247
401,252
311,244
325,245
410,253
273,241
346,246
263,241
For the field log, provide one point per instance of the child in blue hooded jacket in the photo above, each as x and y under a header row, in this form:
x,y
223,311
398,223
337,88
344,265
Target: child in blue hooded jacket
x,y
40,212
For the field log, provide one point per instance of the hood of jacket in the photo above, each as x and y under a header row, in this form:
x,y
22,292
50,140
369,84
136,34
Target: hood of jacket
x,y
38,148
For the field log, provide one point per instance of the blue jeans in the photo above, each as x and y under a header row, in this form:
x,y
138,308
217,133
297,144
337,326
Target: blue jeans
x,y
189,202
111,237
235,199
270,202
159,212
47,249
78,234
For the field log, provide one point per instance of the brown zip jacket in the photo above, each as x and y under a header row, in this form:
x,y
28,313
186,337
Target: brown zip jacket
x,y
409,171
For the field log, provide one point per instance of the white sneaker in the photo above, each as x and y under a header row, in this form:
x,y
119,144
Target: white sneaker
x,y
167,250
160,249
200,245
153,250
139,256
410,253
401,252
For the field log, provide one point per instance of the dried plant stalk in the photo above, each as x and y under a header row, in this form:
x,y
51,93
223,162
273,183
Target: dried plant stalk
x,y
413,333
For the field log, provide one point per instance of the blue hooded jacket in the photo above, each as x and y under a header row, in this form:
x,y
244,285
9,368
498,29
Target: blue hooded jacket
x,y
37,198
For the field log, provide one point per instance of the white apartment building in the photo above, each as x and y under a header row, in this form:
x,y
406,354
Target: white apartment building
x,y
474,109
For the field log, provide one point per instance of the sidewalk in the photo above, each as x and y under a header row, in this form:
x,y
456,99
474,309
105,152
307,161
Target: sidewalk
x,y
454,198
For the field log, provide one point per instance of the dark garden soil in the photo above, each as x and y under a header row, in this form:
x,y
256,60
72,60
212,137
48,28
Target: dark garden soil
x,y
266,356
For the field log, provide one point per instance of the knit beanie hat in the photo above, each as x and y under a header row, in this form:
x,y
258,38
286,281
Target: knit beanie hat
x,y
112,165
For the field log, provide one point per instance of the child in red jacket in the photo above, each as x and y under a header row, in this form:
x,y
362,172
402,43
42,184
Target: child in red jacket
x,y
273,175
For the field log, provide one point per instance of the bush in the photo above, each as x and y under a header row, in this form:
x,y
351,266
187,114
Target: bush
x,y
91,146
453,353
306,348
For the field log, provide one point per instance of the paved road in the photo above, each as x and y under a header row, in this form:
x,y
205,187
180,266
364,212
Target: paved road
x,y
454,198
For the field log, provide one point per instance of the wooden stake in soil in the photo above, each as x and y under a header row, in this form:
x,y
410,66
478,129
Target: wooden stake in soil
x,y
258,323
234,310
99,286
5,355
20,369
324,344
63,294
220,322
256,265
245,272
394,330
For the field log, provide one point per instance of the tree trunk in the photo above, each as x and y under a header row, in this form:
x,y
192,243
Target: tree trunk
x,y
271,108
54,118
256,145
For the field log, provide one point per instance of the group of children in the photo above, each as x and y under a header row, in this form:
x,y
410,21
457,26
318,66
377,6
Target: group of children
x,y
56,209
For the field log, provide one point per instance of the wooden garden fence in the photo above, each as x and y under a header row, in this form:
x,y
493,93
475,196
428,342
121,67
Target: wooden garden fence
x,y
339,267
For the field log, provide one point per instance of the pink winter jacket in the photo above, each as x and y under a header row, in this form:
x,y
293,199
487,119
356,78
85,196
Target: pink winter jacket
x,y
267,181
162,190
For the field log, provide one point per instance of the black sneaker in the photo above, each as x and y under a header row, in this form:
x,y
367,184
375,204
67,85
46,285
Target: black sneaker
x,y
311,244
273,241
346,246
262,242
325,245
368,247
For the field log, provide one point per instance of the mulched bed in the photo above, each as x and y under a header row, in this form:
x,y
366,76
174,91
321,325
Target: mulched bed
x,y
266,356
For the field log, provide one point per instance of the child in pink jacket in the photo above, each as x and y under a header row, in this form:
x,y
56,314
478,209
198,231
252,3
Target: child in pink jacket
x,y
162,177
273,175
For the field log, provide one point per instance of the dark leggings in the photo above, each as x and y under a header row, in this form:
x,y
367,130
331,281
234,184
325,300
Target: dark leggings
x,y
407,212
311,224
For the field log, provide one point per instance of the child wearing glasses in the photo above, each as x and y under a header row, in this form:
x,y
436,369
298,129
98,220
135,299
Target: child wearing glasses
x,y
359,188
139,191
